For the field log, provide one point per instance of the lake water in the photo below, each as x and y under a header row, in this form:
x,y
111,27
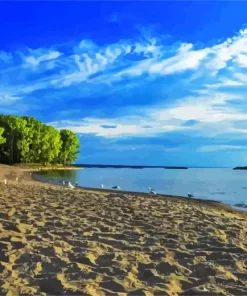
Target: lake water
x,y
225,185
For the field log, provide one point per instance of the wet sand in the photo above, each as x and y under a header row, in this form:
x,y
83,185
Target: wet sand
x,y
57,241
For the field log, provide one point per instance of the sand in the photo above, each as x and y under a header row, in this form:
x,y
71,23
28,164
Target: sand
x,y
57,241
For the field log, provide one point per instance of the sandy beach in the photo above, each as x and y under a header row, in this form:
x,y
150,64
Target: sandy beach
x,y
57,241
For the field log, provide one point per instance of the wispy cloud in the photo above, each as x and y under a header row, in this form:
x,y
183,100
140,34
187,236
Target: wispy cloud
x,y
35,57
211,148
144,86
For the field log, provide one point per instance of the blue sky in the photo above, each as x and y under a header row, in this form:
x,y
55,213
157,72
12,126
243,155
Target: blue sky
x,y
160,83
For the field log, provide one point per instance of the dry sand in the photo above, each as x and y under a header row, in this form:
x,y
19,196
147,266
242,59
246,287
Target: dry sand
x,y
56,241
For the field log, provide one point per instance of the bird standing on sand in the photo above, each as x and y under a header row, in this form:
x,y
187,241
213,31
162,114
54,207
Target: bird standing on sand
x,y
70,185
150,189
16,179
5,181
190,195
115,187
63,182
102,186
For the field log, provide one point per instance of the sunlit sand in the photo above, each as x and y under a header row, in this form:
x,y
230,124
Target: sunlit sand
x,y
79,242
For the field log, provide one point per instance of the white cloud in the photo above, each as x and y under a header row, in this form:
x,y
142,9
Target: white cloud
x,y
124,126
225,82
206,108
184,60
36,57
91,59
241,59
211,148
213,116
8,98
113,62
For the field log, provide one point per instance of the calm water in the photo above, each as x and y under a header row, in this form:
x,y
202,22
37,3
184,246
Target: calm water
x,y
225,185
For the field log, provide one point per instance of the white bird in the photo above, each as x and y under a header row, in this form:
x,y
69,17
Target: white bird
x,y
150,189
190,195
63,182
115,187
16,179
152,192
5,181
70,185
102,186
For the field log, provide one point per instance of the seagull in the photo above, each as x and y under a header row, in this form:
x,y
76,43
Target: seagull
x,y
190,195
71,186
102,186
150,189
115,187
152,192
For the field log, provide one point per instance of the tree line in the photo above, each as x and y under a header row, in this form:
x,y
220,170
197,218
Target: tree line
x,y
27,140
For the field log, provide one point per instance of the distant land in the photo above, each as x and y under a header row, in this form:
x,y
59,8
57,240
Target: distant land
x,y
240,168
129,166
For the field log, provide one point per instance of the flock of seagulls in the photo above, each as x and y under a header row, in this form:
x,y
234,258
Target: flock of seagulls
x,y
76,184
151,190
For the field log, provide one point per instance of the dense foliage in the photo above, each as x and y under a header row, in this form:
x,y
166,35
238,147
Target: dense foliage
x,y
27,140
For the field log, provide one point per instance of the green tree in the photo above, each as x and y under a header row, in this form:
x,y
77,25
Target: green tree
x,y
14,132
26,139
50,144
32,150
70,146
2,139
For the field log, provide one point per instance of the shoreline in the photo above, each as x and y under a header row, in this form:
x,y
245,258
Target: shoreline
x,y
31,169
143,194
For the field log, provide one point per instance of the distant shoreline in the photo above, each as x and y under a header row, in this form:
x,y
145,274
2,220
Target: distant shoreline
x,y
240,168
129,166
